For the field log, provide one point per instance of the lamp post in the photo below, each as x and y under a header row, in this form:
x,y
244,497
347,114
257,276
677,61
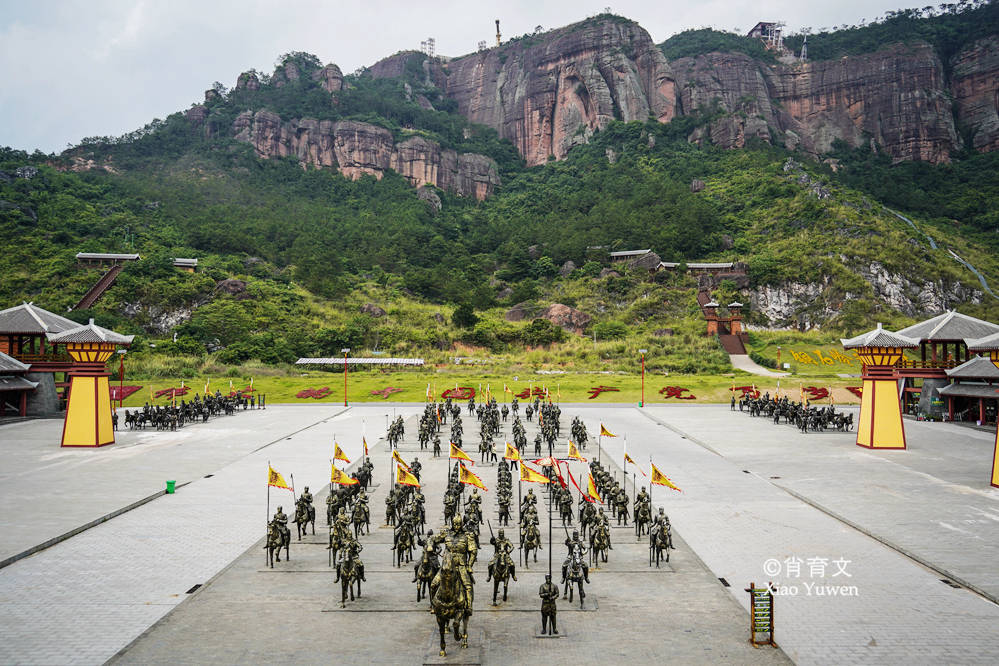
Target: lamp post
x,y
345,350
121,377
643,352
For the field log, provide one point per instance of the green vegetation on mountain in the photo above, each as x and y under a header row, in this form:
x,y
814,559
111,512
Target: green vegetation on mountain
x,y
949,28
695,42
288,256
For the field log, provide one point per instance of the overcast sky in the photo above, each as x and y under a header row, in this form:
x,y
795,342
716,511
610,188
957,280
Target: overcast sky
x,y
72,69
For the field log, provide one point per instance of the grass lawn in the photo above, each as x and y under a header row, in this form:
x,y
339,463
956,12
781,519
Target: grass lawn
x,y
370,386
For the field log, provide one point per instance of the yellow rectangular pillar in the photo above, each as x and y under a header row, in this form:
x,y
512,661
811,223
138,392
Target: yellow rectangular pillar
x,y
88,412
995,460
880,425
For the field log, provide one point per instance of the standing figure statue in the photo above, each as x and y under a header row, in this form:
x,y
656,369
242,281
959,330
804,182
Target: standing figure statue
x,y
549,594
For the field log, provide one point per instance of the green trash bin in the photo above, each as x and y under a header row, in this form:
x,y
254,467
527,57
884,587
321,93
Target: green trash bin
x,y
171,486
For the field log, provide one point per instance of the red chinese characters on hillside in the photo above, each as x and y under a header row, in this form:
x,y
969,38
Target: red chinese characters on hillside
x,y
318,394
676,392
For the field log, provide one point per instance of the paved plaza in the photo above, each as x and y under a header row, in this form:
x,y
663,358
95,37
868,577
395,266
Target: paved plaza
x,y
181,578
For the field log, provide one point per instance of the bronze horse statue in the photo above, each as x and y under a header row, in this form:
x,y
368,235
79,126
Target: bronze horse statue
x,y
425,572
347,573
574,574
530,540
599,543
659,545
448,602
305,513
643,518
276,540
360,519
500,572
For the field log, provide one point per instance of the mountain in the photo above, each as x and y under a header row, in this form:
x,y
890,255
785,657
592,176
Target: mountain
x,y
548,92
444,194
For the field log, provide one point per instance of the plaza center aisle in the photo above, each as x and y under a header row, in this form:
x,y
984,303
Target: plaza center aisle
x,y
84,599
886,608
634,613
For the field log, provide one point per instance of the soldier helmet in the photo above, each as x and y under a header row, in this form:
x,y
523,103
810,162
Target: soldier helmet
x,y
548,578
279,509
306,489
575,534
643,489
456,522
501,533
601,509
430,533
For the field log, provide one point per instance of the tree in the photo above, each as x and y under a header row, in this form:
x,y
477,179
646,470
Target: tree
x,y
464,316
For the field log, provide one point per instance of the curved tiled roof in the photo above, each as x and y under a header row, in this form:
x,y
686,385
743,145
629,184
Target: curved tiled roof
x,y
28,318
950,326
91,333
987,343
880,337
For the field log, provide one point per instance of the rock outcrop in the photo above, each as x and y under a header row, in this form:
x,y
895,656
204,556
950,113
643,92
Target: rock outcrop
x,y
897,98
357,148
330,78
976,92
551,92
570,319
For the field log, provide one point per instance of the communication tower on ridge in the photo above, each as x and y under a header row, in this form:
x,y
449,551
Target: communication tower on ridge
x,y
497,33
428,46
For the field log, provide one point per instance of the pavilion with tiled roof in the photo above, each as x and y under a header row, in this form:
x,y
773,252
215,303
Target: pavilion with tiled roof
x,y
942,347
88,409
972,394
24,335
942,340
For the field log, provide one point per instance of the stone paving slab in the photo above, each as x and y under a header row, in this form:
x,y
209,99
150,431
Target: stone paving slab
x,y
741,525
932,501
683,614
87,597
91,483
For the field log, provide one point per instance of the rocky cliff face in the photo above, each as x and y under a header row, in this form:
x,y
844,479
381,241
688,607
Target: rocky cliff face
x,y
550,92
976,92
809,305
356,148
896,99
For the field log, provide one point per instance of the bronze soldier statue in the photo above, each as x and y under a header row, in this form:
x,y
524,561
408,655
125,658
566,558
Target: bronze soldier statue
x,y
549,594
576,548
281,520
503,548
462,550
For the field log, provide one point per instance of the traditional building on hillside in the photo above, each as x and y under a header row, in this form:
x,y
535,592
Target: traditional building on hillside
x,y
186,265
627,255
96,259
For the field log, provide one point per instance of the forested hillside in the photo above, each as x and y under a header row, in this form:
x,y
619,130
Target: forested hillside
x,y
289,253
